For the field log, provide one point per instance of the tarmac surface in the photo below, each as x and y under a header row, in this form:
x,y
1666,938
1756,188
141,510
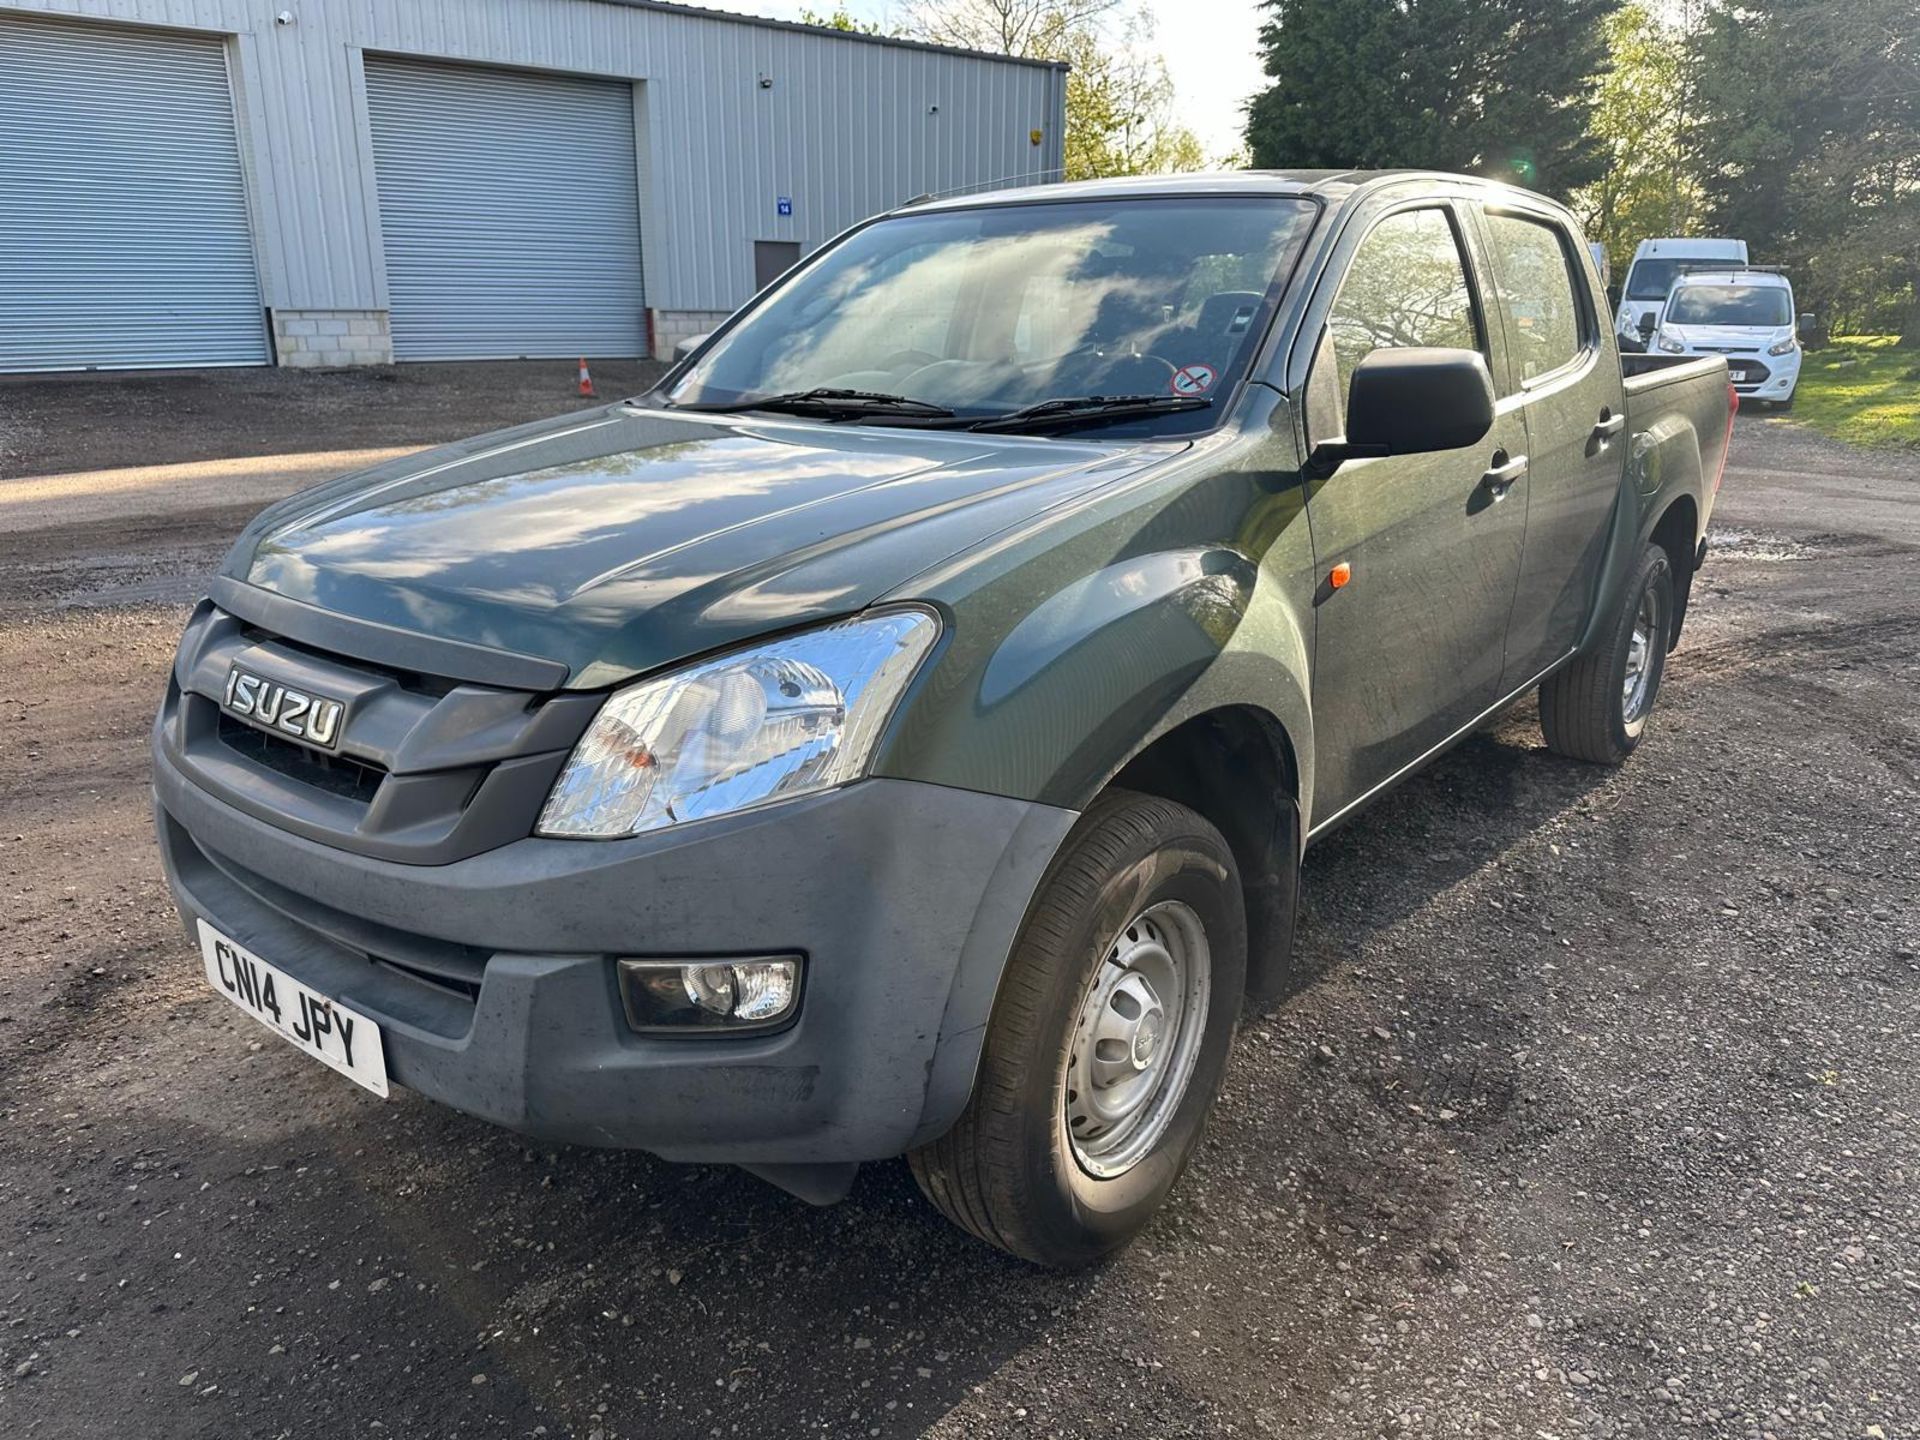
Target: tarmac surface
x,y
1597,1112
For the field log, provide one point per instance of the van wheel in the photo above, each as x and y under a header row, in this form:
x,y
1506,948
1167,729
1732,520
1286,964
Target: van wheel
x,y
1596,708
1108,1041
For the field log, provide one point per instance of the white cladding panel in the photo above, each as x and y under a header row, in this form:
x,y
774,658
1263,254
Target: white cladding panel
x,y
511,210
124,237
845,126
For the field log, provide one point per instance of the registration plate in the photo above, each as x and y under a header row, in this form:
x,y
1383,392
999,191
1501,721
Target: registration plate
x,y
323,1028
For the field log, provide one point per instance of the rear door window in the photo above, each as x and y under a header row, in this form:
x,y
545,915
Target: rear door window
x,y
1539,301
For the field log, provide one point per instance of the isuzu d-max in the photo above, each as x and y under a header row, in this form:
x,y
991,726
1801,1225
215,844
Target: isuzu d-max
x,y
898,732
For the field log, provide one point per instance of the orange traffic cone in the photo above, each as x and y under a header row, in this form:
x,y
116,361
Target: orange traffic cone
x,y
586,379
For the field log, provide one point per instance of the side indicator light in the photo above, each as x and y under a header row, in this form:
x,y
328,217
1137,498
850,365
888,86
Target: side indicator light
x,y
1340,574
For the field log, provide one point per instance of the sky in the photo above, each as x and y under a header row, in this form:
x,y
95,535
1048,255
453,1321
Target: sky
x,y
1210,46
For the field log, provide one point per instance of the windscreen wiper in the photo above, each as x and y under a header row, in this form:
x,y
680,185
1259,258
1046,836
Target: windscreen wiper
x,y
1069,410
829,401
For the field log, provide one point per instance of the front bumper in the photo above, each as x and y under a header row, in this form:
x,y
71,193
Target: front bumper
x,y
492,977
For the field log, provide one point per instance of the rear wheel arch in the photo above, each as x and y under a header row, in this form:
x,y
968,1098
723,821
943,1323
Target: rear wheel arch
x,y
1677,532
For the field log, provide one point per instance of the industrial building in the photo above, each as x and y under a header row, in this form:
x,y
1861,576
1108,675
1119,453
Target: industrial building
x,y
335,182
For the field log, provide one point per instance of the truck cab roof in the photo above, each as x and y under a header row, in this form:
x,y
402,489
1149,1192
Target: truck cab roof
x,y
1335,186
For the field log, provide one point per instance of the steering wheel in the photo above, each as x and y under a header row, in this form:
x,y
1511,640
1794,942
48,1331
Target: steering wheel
x,y
1115,360
908,359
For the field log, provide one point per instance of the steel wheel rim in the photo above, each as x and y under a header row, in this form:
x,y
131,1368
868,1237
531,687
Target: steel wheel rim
x,y
1636,685
1137,1039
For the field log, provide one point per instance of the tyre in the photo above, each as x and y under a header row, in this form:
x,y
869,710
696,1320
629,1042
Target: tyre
x,y
1783,406
1108,1040
1596,708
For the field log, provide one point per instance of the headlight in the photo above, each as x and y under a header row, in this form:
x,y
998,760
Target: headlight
x,y
1671,345
1783,347
779,719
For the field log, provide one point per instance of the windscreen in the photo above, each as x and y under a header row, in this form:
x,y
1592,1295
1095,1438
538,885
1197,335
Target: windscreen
x,y
1651,279
1750,305
988,310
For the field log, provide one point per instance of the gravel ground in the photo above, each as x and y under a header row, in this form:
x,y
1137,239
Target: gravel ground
x,y
1597,1111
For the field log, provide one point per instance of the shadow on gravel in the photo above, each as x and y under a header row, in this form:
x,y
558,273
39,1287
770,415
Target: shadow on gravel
x,y
1492,791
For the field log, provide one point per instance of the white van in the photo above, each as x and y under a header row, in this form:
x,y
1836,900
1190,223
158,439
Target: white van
x,y
1745,315
1656,265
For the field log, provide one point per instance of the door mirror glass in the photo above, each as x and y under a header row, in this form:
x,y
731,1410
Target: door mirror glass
x,y
1412,401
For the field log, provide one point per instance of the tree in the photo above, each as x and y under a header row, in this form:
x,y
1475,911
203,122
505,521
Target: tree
x,y
1643,121
840,19
1120,104
1496,87
1809,112
1036,29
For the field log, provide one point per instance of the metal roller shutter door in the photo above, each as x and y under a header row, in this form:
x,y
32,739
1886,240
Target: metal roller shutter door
x,y
124,238
510,207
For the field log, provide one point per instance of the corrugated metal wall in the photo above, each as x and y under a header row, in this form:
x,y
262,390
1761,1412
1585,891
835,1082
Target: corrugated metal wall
x,y
846,126
123,217
511,211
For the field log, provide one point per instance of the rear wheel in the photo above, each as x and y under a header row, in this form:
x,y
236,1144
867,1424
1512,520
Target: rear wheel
x,y
1108,1040
1596,708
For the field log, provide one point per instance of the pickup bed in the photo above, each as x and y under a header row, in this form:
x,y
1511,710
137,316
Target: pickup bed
x,y
898,733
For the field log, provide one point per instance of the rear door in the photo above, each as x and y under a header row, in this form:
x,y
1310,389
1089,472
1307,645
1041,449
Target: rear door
x,y
1410,649
1563,381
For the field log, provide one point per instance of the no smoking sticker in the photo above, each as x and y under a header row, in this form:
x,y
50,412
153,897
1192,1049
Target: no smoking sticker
x,y
1192,380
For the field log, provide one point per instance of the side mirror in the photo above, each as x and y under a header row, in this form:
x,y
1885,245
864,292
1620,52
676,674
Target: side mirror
x,y
1805,323
686,347
1648,325
1411,402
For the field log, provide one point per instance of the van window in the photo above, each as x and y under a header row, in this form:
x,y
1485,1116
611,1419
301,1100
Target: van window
x,y
1651,279
1752,305
1538,300
1406,286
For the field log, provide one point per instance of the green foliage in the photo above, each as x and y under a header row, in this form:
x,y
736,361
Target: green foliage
x,y
1120,110
1809,129
1496,87
1642,120
1863,389
840,19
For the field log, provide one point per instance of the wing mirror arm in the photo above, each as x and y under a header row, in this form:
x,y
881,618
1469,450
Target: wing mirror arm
x,y
1329,455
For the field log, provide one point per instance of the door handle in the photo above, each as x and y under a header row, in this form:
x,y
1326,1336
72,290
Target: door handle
x,y
1609,426
1500,478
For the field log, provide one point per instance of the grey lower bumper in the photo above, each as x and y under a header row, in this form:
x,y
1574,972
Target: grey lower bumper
x,y
904,897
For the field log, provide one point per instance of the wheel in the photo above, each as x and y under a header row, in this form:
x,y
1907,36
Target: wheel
x,y
1596,708
1108,1040
1783,406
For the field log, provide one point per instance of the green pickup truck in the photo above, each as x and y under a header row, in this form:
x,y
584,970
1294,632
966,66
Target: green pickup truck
x,y
899,731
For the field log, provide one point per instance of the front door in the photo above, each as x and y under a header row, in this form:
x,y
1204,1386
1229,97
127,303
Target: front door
x,y
1411,647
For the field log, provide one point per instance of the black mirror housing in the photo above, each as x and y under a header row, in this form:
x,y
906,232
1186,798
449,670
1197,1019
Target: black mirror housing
x,y
1418,400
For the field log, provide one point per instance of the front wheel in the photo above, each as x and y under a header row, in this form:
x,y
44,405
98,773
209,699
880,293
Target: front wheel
x,y
1108,1040
1596,708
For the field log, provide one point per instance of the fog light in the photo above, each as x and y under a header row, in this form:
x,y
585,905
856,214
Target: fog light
x,y
710,997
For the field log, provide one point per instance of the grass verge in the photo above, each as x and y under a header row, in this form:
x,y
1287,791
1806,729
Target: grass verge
x,y
1863,390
